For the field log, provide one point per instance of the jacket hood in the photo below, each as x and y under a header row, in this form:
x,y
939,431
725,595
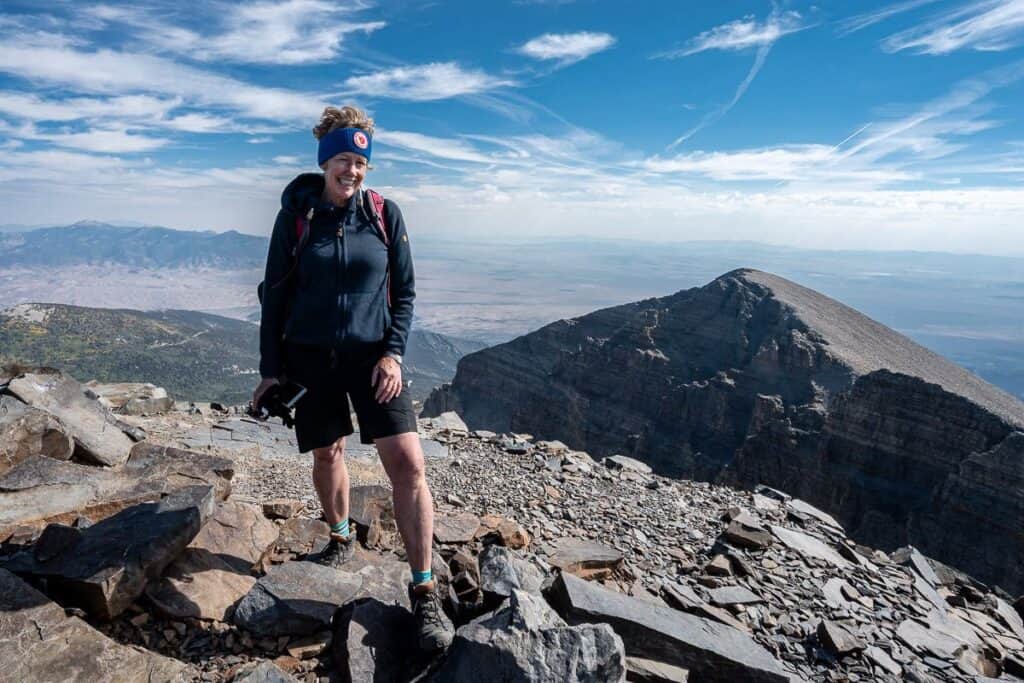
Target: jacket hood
x,y
303,193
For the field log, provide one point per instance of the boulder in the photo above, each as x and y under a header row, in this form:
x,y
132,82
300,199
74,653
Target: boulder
x,y
42,490
709,650
372,509
507,532
527,641
371,642
503,570
295,599
105,567
213,573
640,670
130,398
746,535
26,431
263,672
282,508
90,424
459,528
584,558
838,640
622,462
449,421
299,537
40,643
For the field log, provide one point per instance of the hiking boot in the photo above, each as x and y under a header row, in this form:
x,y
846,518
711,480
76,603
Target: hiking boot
x,y
434,630
339,550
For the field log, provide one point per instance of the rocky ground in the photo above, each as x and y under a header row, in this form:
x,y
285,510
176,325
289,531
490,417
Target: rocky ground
x,y
555,567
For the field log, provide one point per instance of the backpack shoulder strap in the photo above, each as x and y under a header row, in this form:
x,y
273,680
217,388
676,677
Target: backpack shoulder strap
x,y
301,233
377,214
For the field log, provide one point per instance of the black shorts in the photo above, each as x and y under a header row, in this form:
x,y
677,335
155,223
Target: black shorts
x,y
331,378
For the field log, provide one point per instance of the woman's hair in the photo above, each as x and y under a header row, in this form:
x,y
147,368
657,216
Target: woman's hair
x,y
346,117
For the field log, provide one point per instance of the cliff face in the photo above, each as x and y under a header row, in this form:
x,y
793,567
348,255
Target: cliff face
x,y
754,379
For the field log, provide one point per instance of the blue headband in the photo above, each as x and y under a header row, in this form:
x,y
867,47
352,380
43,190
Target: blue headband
x,y
344,140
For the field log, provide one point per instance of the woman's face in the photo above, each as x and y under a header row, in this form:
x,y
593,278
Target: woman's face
x,y
343,175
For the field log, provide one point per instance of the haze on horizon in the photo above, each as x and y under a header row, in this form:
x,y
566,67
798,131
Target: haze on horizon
x,y
895,126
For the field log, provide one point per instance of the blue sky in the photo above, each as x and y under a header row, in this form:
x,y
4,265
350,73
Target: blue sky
x,y
833,124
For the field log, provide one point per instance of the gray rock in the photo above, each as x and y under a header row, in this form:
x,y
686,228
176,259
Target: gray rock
x,y
527,641
837,640
584,558
131,398
26,431
449,420
809,546
112,561
733,595
806,508
459,528
42,490
912,557
295,599
709,650
503,570
301,536
263,672
882,659
213,572
41,644
621,462
640,670
90,424
371,642
747,536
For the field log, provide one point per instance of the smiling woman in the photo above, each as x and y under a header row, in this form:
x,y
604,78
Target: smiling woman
x,y
337,308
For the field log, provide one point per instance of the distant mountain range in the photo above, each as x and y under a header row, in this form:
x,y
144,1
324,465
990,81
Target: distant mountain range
x,y
195,356
90,242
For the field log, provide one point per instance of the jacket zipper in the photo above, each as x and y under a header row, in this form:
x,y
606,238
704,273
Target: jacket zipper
x,y
342,251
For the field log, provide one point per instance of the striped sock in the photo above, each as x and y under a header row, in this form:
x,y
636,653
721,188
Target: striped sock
x,y
341,528
421,577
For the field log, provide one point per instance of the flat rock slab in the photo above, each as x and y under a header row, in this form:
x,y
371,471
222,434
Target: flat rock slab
x,y
744,536
301,536
131,398
460,528
41,644
42,490
92,426
642,670
104,568
583,557
26,431
527,641
806,508
449,420
709,650
733,595
810,546
295,598
271,437
213,573
263,672
622,462
282,508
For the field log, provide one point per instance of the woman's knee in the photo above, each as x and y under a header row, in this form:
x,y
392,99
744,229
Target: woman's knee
x,y
407,468
331,454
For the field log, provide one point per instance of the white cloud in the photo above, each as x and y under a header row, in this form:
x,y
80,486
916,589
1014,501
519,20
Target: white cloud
x,y
290,32
988,25
288,160
742,34
566,47
862,21
443,148
259,140
109,141
422,83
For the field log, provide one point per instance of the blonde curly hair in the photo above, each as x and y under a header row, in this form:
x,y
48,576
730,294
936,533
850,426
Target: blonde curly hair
x,y
346,117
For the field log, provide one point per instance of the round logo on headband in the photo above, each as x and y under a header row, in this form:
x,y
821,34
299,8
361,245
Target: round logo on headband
x,y
359,139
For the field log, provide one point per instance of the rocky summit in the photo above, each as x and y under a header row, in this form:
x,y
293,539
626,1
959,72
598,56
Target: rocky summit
x,y
755,380
554,566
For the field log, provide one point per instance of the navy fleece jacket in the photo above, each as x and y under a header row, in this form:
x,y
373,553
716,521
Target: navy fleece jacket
x,y
337,295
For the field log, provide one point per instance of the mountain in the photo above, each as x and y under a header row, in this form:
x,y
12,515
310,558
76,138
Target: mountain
x,y
90,242
753,379
195,356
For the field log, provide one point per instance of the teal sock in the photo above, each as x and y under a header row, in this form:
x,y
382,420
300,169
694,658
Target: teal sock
x,y
341,528
421,577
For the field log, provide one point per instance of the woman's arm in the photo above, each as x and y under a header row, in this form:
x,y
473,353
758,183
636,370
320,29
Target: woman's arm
x,y
276,289
403,289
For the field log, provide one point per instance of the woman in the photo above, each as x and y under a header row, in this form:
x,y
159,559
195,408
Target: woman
x,y
337,308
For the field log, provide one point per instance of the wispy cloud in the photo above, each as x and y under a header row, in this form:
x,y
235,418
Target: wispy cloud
x,y
988,25
737,35
862,21
425,82
566,48
444,148
291,32
742,34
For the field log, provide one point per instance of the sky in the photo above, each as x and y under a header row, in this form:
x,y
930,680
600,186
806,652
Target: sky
x,y
867,125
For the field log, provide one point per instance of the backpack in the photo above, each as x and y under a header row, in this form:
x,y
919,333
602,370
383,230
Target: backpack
x,y
377,216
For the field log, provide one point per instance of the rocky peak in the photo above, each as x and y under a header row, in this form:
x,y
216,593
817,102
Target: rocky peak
x,y
753,379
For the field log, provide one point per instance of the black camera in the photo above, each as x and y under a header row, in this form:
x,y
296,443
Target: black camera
x,y
278,401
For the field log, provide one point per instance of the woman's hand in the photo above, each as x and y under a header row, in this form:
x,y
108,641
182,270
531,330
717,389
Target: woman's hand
x,y
387,379
261,389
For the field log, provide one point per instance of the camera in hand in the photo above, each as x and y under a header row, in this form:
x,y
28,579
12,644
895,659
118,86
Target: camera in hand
x,y
278,401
